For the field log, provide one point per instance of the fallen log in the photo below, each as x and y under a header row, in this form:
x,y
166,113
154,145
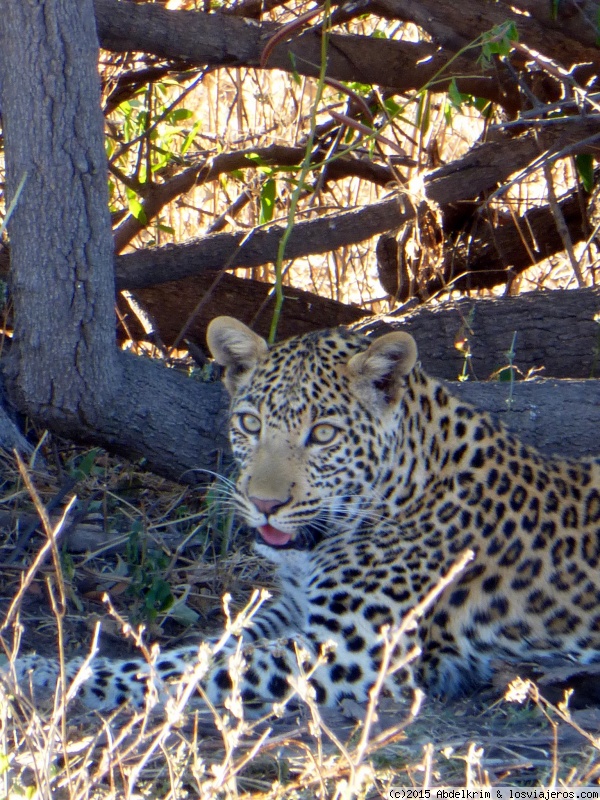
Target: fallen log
x,y
557,332
556,416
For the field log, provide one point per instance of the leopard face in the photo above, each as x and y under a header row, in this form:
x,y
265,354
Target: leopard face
x,y
317,445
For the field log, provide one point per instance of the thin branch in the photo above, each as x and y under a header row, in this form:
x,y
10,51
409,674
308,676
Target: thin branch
x,y
157,197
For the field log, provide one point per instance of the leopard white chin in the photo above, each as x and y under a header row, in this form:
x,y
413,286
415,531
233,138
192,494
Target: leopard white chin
x,y
273,536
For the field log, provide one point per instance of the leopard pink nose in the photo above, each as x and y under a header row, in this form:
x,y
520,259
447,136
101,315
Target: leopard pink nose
x,y
267,506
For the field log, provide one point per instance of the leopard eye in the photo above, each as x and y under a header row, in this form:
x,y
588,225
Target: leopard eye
x,y
323,433
250,423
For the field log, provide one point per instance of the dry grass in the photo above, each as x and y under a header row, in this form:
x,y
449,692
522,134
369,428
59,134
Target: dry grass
x,y
58,749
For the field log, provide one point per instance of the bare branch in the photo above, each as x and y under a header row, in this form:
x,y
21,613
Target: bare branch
x,y
457,185
157,196
225,41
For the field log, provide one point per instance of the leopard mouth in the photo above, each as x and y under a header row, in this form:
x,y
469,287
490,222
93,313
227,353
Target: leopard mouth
x,y
274,537
306,538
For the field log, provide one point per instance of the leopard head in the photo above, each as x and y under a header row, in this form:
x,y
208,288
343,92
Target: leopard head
x,y
314,423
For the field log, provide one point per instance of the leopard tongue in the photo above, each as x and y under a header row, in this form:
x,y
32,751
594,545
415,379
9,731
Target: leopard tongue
x,y
274,537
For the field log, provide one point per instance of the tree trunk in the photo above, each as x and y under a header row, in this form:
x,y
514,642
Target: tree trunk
x,y
64,368
221,40
181,310
455,187
63,361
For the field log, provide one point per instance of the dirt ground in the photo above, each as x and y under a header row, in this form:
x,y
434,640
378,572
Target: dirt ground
x,y
134,534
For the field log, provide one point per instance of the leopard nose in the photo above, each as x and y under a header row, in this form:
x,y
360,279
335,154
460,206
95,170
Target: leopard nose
x,y
267,506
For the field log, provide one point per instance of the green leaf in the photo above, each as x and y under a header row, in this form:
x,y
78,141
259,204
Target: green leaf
x,y
482,105
363,89
585,168
456,97
143,120
391,107
448,114
295,75
349,136
135,207
506,375
255,158
159,596
180,114
190,137
499,40
267,201
86,464
459,99
161,159
424,113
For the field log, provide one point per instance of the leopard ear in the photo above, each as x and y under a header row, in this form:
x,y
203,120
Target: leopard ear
x,y
235,347
378,373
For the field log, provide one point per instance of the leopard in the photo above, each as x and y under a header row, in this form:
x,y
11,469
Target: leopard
x,y
365,481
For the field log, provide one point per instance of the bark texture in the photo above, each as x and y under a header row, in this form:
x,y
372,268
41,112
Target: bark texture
x,y
451,187
177,425
557,417
181,310
62,361
219,251
224,40
556,331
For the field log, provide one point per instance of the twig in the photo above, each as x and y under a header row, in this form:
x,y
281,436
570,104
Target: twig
x,y
52,533
304,170
561,225
25,536
392,642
